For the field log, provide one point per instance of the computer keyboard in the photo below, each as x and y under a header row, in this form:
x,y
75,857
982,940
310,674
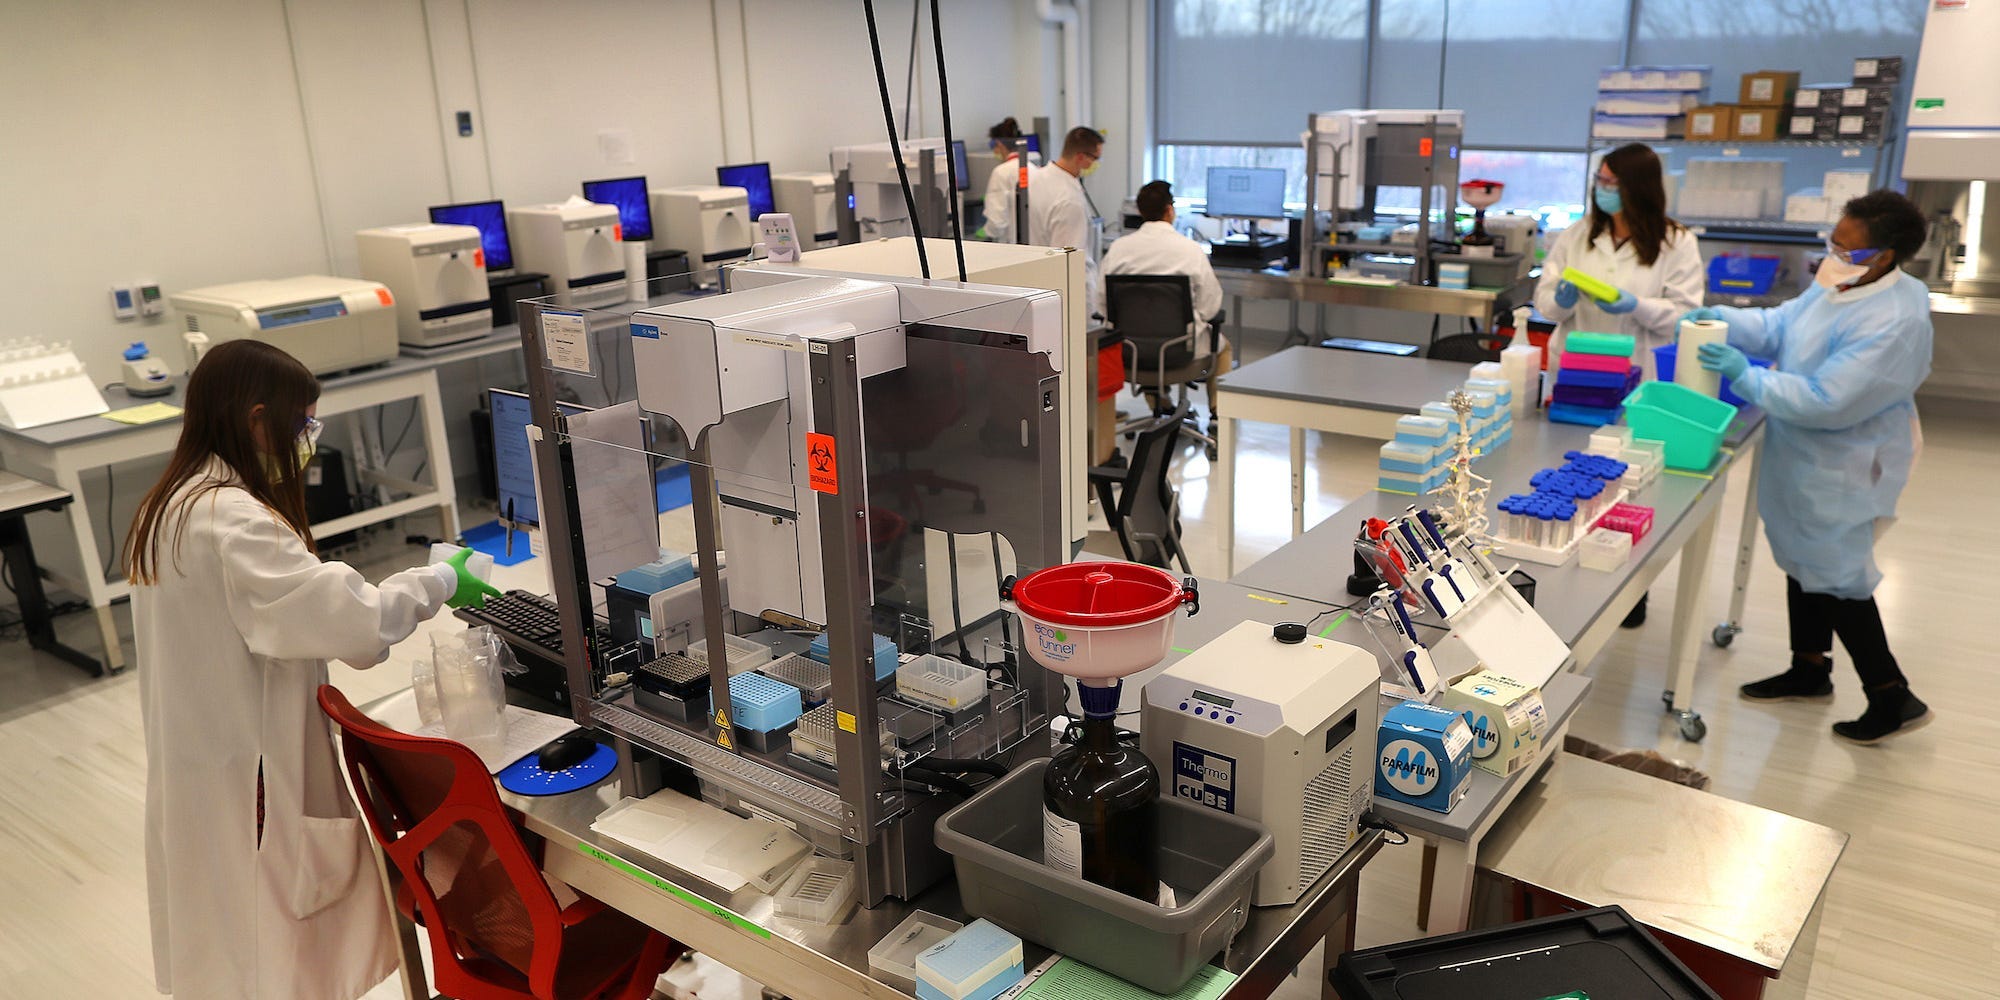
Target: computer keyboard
x,y
524,619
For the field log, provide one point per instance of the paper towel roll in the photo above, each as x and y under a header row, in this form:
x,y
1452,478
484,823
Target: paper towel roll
x,y
1687,355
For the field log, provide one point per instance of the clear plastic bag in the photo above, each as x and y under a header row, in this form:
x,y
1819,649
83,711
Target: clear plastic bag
x,y
471,697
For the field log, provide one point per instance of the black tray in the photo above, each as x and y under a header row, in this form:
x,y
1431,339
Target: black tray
x,y
1602,953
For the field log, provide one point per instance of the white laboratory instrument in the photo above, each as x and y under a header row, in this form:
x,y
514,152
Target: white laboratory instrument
x,y
808,199
780,237
577,244
1954,131
876,192
44,384
144,374
330,324
1352,154
1053,269
1274,731
710,223
437,274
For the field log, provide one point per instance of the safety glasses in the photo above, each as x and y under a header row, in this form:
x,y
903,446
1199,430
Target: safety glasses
x,y
309,430
1850,256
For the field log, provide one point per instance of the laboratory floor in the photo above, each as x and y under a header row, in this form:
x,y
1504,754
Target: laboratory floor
x,y
1910,911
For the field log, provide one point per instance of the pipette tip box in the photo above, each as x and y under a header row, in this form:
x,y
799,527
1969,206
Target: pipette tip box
x,y
886,658
763,705
978,962
894,958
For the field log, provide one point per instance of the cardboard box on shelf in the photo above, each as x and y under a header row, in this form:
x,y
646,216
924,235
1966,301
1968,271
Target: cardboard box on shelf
x,y
1818,97
1769,86
1810,205
1862,126
1878,69
1867,96
1757,124
1712,122
1843,186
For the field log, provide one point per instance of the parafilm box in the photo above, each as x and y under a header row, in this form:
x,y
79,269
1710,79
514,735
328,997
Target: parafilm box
x,y
1424,756
1507,719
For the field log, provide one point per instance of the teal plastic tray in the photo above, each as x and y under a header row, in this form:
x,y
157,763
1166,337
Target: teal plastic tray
x,y
1690,424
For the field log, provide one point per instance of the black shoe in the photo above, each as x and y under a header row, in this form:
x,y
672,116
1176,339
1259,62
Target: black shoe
x,y
1637,616
1804,682
1892,713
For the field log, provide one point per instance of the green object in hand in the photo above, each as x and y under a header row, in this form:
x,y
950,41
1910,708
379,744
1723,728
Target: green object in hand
x,y
1596,288
472,592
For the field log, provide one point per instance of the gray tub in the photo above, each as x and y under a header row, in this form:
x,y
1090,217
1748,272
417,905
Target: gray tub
x,y
1209,858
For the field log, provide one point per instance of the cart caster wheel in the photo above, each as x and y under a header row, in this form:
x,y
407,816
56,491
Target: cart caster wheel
x,y
1667,699
1724,634
1692,727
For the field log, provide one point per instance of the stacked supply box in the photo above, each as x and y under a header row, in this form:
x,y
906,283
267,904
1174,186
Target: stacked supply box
x,y
1492,413
1507,719
1732,187
1764,107
1596,373
1415,461
1647,102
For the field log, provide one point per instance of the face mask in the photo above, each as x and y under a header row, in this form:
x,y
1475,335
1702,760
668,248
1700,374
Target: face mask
x,y
1608,200
302,452
1834,272
1087,171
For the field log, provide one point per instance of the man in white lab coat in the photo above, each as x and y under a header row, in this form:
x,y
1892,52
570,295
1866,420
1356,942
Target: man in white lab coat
x,y
1058,213
1158,248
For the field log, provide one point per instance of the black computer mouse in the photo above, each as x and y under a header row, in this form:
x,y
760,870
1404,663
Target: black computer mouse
x,y
566,753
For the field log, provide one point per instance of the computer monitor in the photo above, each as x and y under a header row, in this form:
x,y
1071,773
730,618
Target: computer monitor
x,y
1034,142
754,178
958,163
490,218
513,469
635,207
1246,192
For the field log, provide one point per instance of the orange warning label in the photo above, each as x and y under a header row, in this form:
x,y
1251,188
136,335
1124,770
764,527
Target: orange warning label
x,y
821,472
722,720
1424,147
722,740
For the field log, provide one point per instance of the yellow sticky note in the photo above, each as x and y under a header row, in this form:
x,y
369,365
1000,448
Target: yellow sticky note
x,y
145,413
846,720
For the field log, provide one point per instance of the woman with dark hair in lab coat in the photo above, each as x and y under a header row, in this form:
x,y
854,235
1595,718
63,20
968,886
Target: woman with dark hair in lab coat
x,y
257,867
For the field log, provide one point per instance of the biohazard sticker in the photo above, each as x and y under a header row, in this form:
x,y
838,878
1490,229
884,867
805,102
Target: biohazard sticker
x,y
821,472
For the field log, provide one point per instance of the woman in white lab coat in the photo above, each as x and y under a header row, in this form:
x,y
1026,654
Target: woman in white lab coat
x,y
1000,184
257,869
1625,239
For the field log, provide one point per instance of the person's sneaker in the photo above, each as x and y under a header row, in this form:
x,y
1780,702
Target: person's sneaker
x,y
1637,616
1891,715
1804,682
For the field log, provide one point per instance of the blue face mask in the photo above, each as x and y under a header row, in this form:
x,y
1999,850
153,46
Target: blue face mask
x,y
1608,199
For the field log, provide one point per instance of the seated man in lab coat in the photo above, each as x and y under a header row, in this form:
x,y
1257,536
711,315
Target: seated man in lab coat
x,y
1058,212
1158,248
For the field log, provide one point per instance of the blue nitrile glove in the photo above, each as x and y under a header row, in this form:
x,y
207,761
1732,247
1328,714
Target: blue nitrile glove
x,y
1566,295
1724,360
1707,313
472,592
1623,304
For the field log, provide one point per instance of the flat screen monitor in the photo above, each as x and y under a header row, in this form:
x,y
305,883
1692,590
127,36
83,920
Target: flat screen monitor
x,y
754,178
958,163
1246,192
635,207
1034,142
490,218
513,469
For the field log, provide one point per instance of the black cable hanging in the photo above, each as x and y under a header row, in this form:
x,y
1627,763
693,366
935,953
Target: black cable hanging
x,y
950,161
895,147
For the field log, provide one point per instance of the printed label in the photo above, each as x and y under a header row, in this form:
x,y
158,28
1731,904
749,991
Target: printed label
x,y
1205,777
1456,738
566,341
1053,643
1408,768
645,331
822,472
1062,844
1485,737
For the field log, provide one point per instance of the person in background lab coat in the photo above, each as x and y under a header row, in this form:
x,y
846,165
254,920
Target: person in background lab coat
x,y
1000,184
1156,247
1841,437
1058,213
1626,240
257,868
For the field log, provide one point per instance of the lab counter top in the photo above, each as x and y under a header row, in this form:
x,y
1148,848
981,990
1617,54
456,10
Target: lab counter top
x,y
1476,303
1348,378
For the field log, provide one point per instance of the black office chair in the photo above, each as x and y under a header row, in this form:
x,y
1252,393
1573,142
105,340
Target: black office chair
x,y
1155,315
1139,501
1471,348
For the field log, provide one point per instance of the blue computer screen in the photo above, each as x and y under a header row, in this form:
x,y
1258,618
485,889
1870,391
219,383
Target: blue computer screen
x,y
958,163
754,178
1034,142
635,210
1246,192
491,219
514,470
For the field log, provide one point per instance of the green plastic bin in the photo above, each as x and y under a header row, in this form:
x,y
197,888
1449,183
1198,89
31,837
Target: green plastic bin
x,y
1690,423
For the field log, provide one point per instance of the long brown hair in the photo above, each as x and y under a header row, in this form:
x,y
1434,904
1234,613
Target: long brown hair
x,y
221,421
1644,194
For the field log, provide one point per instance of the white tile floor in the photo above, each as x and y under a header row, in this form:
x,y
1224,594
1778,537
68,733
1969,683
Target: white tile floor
x,y
1910,912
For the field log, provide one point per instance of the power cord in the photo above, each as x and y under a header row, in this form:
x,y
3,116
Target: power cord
x,y
950,161
895,144
1395,837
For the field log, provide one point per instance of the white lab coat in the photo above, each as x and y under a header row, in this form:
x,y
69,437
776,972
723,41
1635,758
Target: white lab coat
x,y
999,204
1058,216
1666,291
1156,248
232,643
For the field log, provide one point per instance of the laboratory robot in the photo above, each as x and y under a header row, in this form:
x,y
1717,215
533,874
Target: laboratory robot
x,y
868,190
1352,155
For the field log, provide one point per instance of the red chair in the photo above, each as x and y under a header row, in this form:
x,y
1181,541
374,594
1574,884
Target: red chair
x,y
462,858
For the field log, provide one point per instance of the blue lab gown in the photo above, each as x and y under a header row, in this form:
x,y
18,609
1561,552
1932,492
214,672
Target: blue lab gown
x,y
1841,436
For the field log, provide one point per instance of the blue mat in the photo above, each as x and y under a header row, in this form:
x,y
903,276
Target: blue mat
x,y
526,777
672,489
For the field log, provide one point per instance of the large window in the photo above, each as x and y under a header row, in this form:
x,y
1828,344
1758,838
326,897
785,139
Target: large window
x,y
1250,71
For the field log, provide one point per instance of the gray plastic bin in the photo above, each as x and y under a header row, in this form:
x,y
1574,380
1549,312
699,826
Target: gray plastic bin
x,y
1208,857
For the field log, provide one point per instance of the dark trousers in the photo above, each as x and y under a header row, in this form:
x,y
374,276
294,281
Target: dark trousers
x,y
1817,618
